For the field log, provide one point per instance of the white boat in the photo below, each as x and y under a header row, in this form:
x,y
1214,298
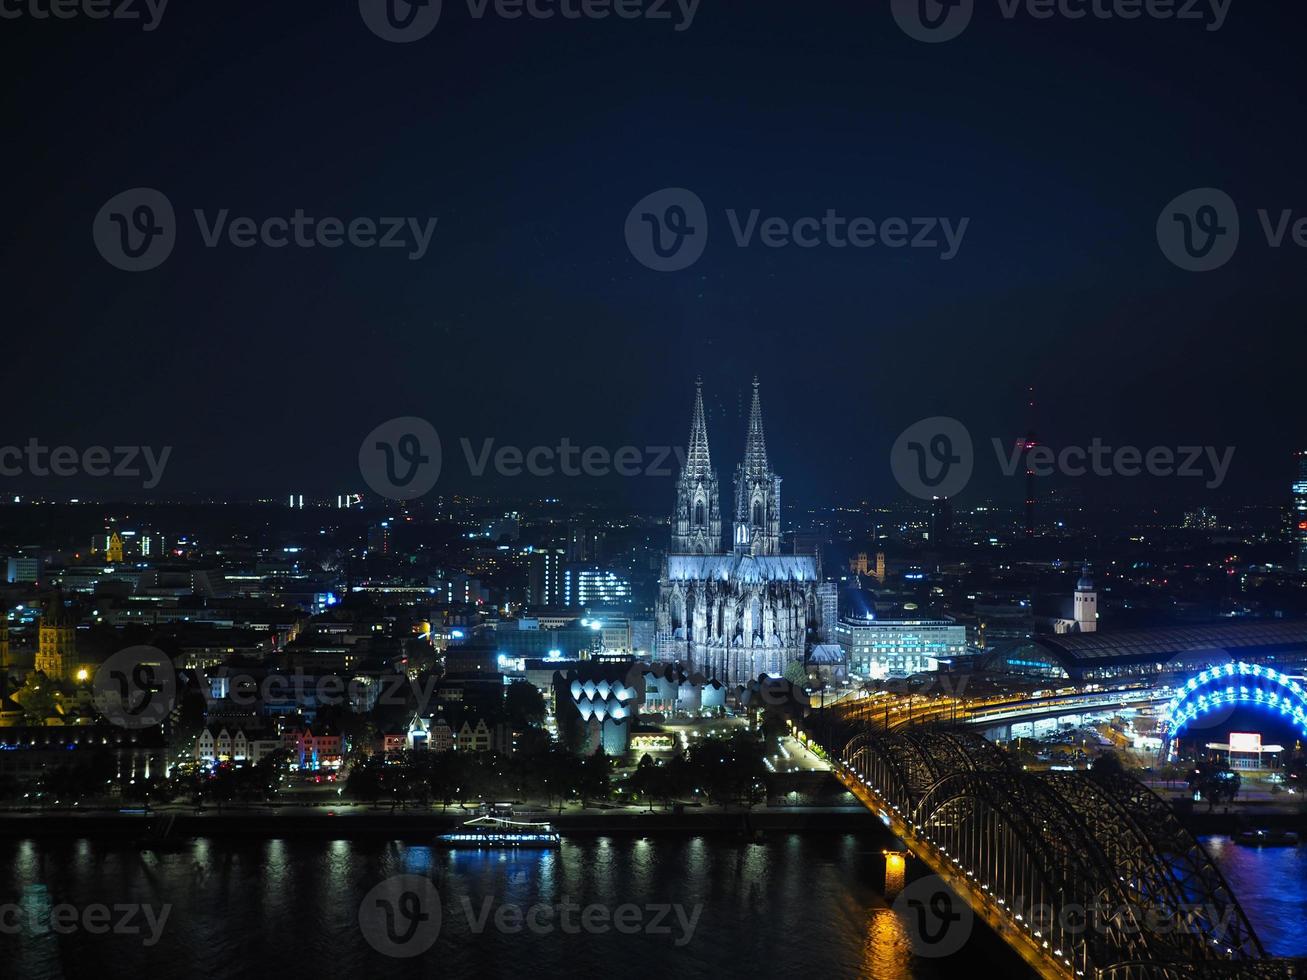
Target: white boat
x,y
490,831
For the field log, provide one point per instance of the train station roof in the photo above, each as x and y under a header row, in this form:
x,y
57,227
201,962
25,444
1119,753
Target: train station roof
x,y
1245,639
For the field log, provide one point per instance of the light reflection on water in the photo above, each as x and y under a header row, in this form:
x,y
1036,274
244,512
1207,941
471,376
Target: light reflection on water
x,y
794,905
1270,884
887,953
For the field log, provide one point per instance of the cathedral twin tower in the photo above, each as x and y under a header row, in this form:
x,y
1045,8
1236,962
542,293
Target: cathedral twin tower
x,y
733,614
698,516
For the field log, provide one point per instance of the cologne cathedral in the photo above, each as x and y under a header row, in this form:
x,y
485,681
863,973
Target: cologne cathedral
x,y
734,614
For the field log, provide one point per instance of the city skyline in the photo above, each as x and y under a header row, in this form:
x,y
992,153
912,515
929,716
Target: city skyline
x,y
591,486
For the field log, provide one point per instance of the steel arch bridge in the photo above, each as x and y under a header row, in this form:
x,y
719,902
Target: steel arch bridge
x,y
1085,874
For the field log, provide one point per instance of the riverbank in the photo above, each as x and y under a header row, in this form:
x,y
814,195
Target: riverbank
x,y
357,822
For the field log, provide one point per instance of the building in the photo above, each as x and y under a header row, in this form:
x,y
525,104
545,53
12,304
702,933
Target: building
x,y
670,689
828,597
1180,649
1084,616
595,707
589,585
828,664
531,638
880,648
56,652
473,739
221,744
733,615
379,542
1299,511
545,577
1086,603
29,753
23,569
324,750
941,521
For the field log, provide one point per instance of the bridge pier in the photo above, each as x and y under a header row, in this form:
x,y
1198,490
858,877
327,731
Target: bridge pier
x,y
896,863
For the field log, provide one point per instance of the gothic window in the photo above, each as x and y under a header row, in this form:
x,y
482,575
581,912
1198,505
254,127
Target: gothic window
x,y
757,512
699,518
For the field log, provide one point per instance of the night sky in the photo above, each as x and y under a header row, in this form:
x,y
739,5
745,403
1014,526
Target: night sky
x,y
529,319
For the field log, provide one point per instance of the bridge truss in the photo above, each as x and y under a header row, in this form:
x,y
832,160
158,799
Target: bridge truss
x,y
1091,871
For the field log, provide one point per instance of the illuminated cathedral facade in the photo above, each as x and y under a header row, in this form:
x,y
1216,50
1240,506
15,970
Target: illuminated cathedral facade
x,y
733,614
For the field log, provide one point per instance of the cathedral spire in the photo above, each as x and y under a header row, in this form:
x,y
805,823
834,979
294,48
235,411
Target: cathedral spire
x,y
757,492
698,460
697,520
755,447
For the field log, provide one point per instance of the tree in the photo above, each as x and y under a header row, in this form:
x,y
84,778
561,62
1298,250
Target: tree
x,y
645,780
37,699
364,782
1169,772
1215,783
596,777
1107,764
796,673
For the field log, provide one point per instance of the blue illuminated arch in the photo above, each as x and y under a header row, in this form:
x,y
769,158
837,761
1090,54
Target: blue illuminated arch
x,y
1239,683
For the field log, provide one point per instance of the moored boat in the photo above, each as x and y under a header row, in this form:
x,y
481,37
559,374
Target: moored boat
x,y
1267,838
495,831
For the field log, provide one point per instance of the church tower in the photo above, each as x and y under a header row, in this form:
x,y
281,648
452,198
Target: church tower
x,y
1086,609
757,492
56,652
698,518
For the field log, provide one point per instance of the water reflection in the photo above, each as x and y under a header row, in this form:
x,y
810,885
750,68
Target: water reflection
x,y
795,905
887,952
1271,886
